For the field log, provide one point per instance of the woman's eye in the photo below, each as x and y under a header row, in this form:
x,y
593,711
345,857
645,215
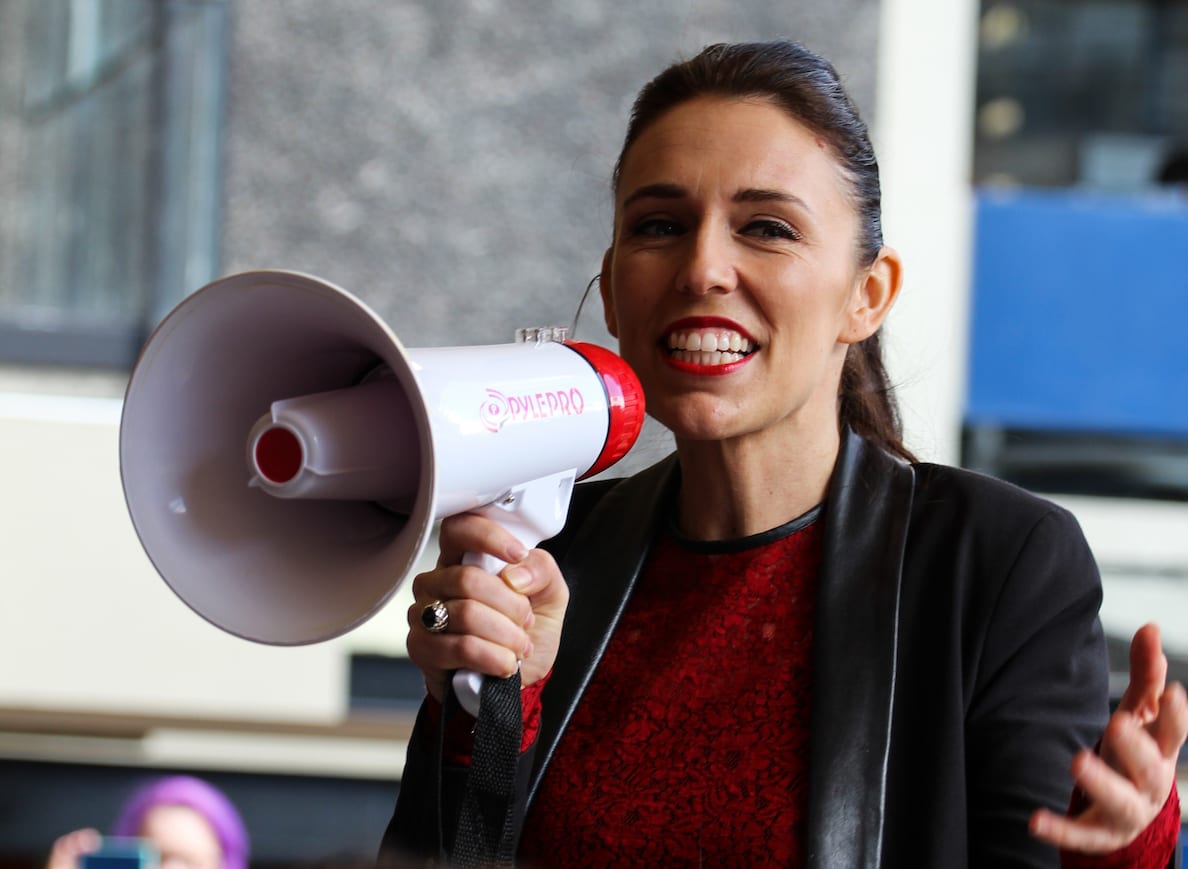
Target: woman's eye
x,y
656,227
771,229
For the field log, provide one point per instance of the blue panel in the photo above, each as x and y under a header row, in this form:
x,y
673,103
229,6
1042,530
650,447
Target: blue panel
x,y
1080,313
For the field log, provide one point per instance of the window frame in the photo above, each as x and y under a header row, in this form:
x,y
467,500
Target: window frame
x,y
187,43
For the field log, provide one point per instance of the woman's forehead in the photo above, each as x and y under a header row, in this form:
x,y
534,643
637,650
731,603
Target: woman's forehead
x,y
733,143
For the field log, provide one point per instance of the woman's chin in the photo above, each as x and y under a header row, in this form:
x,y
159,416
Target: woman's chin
x,y
698,419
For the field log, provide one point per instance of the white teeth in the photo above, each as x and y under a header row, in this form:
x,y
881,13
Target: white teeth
x,y
708,346
701,357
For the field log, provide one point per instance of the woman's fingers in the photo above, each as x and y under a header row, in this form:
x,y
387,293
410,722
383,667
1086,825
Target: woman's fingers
x,y
1171,726
447,652
1116,801
485,625
1072,834
1148,673
469,532
472,583
1127,791
1131,750
473,619
1129,783
492,621
538,577
1117,812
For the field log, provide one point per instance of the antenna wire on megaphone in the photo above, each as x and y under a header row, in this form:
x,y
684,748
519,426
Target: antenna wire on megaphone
x,y
581,303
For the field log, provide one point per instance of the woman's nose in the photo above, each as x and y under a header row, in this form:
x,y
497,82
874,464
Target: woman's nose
x,y
709,265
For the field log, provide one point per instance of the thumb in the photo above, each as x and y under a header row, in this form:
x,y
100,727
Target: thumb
x,y
1148,673
539,579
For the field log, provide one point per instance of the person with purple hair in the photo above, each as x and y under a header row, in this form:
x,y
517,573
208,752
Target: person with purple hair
x,y
190,822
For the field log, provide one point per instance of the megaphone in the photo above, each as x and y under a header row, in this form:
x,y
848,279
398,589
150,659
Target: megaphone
x,y
284,458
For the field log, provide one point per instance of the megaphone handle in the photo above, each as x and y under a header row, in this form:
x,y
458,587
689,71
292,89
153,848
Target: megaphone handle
x,y
532,511
490,563
468,684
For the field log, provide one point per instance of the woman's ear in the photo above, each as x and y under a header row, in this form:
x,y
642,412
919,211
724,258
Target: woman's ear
x,y
608,296
874,296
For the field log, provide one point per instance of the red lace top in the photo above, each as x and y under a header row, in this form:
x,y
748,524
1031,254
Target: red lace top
x,y
690,746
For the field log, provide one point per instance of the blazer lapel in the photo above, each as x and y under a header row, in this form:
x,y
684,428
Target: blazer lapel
x,y
601,566
854,654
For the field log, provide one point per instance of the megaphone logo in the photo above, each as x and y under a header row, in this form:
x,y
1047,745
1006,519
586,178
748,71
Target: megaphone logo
x,y
284,457
499,409
495,411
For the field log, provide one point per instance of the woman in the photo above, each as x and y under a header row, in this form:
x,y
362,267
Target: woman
x,y
189,822
790,643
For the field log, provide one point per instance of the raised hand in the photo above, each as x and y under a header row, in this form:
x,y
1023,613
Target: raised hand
x,y
69,848
1128,781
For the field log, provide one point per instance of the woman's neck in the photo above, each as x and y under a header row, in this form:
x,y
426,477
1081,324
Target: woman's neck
x,y
736,488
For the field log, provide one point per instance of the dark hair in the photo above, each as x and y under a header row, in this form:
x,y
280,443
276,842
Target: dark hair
x,y
808,88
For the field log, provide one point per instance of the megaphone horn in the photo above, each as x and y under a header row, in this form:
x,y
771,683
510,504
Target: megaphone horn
x,y
284,457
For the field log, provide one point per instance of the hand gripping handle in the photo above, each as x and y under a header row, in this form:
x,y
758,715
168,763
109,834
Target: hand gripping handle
x,y
533,511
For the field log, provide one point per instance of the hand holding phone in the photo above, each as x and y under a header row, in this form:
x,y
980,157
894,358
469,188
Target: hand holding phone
x,y
121,853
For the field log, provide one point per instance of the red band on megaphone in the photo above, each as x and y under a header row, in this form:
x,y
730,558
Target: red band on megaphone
x,y
625,398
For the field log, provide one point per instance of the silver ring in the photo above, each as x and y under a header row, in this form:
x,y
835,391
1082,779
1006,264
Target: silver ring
x,y
435,617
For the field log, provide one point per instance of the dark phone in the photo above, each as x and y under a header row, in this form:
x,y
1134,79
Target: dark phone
x,y
117,853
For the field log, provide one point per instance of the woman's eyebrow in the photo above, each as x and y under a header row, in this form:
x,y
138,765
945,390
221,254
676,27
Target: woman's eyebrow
x,y
759,194
660,190
669,190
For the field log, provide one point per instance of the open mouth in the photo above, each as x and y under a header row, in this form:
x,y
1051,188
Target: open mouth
x,y
709,347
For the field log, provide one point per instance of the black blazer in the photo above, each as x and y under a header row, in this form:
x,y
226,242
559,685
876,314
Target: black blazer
x,y
959,663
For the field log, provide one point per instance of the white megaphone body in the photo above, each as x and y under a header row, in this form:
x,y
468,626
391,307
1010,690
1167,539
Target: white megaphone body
x,y
284,457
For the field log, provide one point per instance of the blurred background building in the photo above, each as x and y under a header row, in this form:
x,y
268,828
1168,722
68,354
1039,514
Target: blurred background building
x,y
449,163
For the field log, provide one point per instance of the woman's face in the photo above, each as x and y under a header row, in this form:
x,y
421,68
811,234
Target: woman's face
x,y
732,283
184,839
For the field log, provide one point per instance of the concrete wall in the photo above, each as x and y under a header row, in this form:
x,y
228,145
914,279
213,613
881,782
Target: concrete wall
x,y
449,162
